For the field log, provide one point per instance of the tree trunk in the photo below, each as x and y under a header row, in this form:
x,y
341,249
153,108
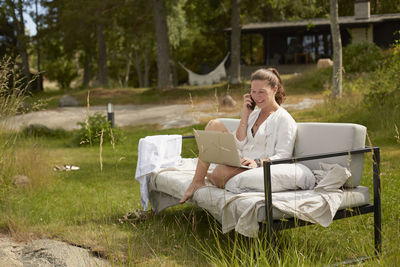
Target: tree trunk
x,y
128,68
22,39
235,43
19,27
174,71
376,6
337,51
39,81
139,69
87,70
161,29
102,56
146,68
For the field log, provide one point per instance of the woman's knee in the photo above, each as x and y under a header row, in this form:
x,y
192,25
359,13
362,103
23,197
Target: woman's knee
x,y
216,125
215,180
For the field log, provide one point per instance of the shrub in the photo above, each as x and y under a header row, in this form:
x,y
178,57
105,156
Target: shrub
x,y
315,80
379,108
90,131
384,89
62,71
38,130
362,57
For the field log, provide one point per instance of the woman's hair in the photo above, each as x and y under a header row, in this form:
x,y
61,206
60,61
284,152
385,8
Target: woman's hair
x,y
272,76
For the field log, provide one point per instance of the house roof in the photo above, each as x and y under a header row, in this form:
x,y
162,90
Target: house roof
x,y
349,20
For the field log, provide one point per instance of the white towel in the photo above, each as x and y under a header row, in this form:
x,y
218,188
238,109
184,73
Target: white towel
x,y
154,153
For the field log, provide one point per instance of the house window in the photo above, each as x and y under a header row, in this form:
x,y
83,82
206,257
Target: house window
x,y
324,47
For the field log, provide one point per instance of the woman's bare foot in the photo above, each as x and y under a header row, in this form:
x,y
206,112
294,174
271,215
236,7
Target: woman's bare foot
x,y
193,187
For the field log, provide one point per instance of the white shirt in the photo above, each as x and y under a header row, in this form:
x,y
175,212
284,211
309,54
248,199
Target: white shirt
x,y
274,138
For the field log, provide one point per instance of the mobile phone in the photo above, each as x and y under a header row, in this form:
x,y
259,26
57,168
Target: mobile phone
x,y
252,105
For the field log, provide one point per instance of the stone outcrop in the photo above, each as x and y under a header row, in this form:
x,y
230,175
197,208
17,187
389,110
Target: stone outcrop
x,y
21,181
324,63
45,252
67,101
228,101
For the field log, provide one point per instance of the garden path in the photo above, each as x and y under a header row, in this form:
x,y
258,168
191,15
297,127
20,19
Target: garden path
x,y
168,116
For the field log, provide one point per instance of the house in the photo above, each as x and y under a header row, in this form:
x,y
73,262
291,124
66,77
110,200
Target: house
x,y
290,44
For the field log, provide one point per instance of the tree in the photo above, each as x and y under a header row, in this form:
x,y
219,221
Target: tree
x,y
17,14
8,39
36,18
133,42
337,50
101,43
235,42
161,30
102,55
204,44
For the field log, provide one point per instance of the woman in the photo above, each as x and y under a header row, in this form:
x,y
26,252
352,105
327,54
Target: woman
x,y
265,133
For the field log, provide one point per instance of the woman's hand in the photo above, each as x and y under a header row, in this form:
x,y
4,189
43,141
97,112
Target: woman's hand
x,y
247,102
248,162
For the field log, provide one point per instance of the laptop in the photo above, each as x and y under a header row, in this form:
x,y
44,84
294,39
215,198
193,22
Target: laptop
x,y
218,147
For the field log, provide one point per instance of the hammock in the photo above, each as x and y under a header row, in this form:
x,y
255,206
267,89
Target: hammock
x,y
206,79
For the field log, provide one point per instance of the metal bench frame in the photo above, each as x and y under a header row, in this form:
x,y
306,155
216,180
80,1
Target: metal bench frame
x,y
269,226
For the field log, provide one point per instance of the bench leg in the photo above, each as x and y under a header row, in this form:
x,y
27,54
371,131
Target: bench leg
x,y
377,204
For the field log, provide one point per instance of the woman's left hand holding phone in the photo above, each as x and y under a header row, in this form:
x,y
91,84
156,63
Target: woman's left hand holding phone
x,y
248,103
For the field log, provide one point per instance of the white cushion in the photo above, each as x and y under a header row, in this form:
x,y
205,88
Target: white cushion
x,y
283,177
316,138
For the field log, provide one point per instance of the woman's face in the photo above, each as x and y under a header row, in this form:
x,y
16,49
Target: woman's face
x,y
262,93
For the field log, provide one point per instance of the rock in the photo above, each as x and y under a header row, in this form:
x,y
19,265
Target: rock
x,y
25,107
36,128
228,101
21,181
45,252
324,63
67,101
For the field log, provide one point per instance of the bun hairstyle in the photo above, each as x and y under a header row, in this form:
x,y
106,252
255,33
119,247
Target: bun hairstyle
x,y
271,75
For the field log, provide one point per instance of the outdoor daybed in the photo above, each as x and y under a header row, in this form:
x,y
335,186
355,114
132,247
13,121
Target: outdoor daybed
x,y
247,211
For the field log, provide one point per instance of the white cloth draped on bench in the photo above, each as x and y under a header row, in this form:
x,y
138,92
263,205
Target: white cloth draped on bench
x,y
155,153
240,211
207,79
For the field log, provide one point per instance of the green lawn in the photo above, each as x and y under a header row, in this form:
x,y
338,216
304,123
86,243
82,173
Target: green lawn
x,y
87,207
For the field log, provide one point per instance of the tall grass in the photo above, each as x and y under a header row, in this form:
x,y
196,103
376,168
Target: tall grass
x,y
12,89
89,207
17,157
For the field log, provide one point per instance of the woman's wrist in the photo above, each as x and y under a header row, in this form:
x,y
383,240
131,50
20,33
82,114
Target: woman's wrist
x,y
243,123
258,162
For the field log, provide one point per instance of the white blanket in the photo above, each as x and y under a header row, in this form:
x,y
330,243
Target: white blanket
x,y
155,153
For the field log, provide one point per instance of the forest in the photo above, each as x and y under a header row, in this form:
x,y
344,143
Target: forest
x,y
67,172
113,43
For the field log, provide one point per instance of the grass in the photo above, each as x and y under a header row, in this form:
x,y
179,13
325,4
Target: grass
x,y
89,207
311,84
140,96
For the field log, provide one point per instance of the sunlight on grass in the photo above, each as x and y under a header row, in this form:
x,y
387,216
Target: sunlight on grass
x,y
89,207
86,207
